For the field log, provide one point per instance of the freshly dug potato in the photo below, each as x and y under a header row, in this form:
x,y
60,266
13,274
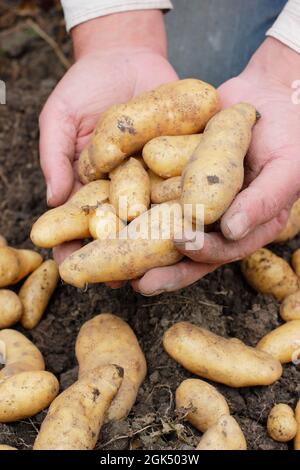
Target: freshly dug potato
x,y
36,293
168,155
290,307
282,425
10,308
215,172
270,274
228,361
87,171
5,447
104,223
3,241
292,227
107,339
21,354
225,434
283,342
16,264
207,405
25,394
71,220
129,190
178,108
132,254
297,437
166,190
76,416
296,262
29,261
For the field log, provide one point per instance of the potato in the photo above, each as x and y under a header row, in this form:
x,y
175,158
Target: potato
x,y
225,434
107,339
86,170
292,227
206,403
297,437
228,361
76,416
178,108
10,308
17,264
283,342
166,190
5,447
36,293
3,241
290,307
296,262
71,220
21,354
206,181
25,394
282,425
129,190
270,274
29,261
104,223
168,155
147,242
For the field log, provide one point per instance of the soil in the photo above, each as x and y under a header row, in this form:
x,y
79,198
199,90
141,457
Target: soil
x,y
222,302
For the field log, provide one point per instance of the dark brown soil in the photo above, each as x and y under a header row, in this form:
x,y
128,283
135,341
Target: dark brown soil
x,y
222,302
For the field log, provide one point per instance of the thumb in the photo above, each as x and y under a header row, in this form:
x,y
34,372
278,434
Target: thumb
x,y
57,147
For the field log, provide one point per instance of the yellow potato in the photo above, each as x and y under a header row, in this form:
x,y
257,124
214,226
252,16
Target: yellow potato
x,y
270,274
76,416
297,437
104,223
215,172
168,155
207,405
290,307
178,108
10,308
16,264
107,339
25,394
36,293
292,227
283,342
228,361
71,220
29,260
5,447
3,241
225,434
166,190
87,171
132,254
282,425
296,262
129,190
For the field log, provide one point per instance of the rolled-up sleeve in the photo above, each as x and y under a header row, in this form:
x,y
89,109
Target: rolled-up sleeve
x,y
287,26
79,11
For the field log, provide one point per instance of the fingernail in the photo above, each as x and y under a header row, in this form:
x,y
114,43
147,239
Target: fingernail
x,y
152,294
49,194
237,226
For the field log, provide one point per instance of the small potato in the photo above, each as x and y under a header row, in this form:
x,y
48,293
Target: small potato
x,y
26,394
292,227
29,262
9,266
71,220
36,293
283,342
76,416
296,262
5,447
104,223
270,274
297,437
3,241
86,170
290,307
225,434
10,308
228,361
168,155
206,403
282,425
166,190
107,339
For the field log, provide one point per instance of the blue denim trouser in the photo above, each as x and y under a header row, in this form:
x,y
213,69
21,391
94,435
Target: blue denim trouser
x,y
214,39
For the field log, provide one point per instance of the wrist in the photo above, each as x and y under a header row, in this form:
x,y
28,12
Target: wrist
x,y
136,30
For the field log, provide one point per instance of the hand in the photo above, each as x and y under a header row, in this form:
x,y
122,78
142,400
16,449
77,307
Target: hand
x,y
117,57
272,171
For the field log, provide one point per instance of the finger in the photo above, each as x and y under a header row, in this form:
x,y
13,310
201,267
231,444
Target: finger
x,y
64,250
274,189
171,278
218,249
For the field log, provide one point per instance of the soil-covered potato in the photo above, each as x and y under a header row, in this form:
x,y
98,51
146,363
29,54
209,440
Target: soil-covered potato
x,y
283,342
290,307
225,434
282,425
16,264
10,308
104,222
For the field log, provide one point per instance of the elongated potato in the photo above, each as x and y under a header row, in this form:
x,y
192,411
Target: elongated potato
x,y
129,190
292,227
29,260
87,171
104,222
15,264
10,308
178,108
147,242
226,434
215,172
296,262
107,339
228,361
166,190
26,394
5,447
290,307
270,274
36,293
206,404
168,155
297,437
282,425
3,241
21,354
71,220
76,416
283,342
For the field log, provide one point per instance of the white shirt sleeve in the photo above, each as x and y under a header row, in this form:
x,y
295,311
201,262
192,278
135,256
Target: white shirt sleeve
x,y
79,11
287,26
